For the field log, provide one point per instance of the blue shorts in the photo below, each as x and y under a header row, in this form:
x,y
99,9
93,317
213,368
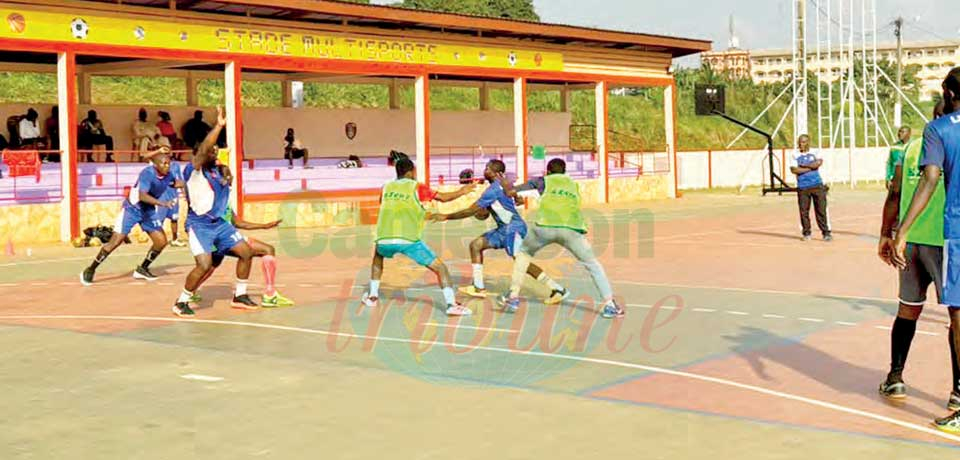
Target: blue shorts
x,y
131,216
209,237
508,238
418,251
951,273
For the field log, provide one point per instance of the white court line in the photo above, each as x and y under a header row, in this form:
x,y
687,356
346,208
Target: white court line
x,y
928,333
757,291
883,328
704,310
769,315
811,320
606,362
738,313
845,323
472,328
645,305
201,378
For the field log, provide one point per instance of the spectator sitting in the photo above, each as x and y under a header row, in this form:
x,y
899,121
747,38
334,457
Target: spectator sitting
x,y
29,130
166,128
146,135
93,134
52,127
195,130
294,149
352,162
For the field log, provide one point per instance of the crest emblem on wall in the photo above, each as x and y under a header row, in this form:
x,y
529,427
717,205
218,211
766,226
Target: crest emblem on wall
x,y
17,22
351,130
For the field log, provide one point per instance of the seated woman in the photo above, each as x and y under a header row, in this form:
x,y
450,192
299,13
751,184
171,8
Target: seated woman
x,y
167,130
146,135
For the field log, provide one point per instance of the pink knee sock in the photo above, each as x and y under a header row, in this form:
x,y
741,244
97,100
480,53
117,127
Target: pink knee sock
x,y
269,264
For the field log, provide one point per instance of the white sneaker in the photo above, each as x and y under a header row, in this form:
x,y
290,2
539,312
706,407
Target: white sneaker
x,y
458,309
372,302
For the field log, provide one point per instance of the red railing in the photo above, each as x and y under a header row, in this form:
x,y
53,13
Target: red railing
x,y
36,186
124,156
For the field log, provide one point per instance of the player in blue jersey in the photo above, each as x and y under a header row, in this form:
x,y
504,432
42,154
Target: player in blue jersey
x,y
173,214
941,152
510,231
140,208
208,197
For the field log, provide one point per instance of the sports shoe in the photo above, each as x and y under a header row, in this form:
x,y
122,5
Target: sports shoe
x,y
612,310
276,300
244,302
372,302
510,304
954,402
196,298
557,296
182,309
893,390
178,243
472,291
807,238
86,277
144,274
828,238
950,423
458,309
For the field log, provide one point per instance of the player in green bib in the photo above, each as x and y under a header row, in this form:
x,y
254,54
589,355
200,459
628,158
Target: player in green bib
x,y
559,221
400,231
896,153
924,265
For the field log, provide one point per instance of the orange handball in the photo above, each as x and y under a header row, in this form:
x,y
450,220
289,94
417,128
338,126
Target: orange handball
x,y
17,22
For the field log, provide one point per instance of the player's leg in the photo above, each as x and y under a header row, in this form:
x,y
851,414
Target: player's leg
x,y
244,254
914,282
803,201
477,246
125,223
537,237
268,264
371,298
204,266
306,158
578,245
159,240
951,297
821,211
423,255
557,292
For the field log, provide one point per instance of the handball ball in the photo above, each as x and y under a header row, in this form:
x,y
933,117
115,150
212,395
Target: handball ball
x,y
95,242
143,238
78,242
16,22
482,214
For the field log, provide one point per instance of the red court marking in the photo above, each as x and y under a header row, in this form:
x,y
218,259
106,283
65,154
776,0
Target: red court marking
x,y
841,366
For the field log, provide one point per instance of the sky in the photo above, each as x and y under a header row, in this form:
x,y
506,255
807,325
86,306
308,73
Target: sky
x,y
759,23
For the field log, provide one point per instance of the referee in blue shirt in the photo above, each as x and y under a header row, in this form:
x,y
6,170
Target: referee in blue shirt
x,y
810,188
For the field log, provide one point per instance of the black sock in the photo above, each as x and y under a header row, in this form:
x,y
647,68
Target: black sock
x,y
151,256
900,339
953,363
101,256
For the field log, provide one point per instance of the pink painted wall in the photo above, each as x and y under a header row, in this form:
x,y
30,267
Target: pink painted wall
x,y
322,131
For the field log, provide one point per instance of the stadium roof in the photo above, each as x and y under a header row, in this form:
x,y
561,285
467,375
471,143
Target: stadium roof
x,y
391,17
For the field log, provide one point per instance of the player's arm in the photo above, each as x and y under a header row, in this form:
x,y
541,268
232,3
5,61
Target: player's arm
x,y
932,160
815,165
206,154
462,214
244,225
798,170
152,153
891,210
445,197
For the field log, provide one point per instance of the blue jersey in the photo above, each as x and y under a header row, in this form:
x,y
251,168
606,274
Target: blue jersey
x,y
941,148
502,207
208,193
808,179
153,184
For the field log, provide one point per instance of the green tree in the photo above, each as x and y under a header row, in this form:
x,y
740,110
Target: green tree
x,y
513,9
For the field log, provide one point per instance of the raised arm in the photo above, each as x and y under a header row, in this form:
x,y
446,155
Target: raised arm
x,y
445,197
206,153
244,225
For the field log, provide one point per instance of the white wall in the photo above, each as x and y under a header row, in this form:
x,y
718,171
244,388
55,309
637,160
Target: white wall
x,y
733,168
323,131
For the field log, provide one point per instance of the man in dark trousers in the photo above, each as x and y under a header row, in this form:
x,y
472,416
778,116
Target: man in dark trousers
x,y
806,166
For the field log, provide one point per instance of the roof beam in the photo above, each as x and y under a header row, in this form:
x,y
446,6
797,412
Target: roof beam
x,y
134,65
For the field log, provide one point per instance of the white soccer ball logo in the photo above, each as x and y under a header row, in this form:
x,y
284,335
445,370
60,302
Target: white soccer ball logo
x,y
139,33
79,28
512,58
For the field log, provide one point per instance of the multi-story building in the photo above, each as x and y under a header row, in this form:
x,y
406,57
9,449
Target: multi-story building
x,y
733,61
934,59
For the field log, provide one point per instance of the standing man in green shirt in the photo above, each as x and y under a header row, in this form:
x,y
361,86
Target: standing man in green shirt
x,y
924,263
896,153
